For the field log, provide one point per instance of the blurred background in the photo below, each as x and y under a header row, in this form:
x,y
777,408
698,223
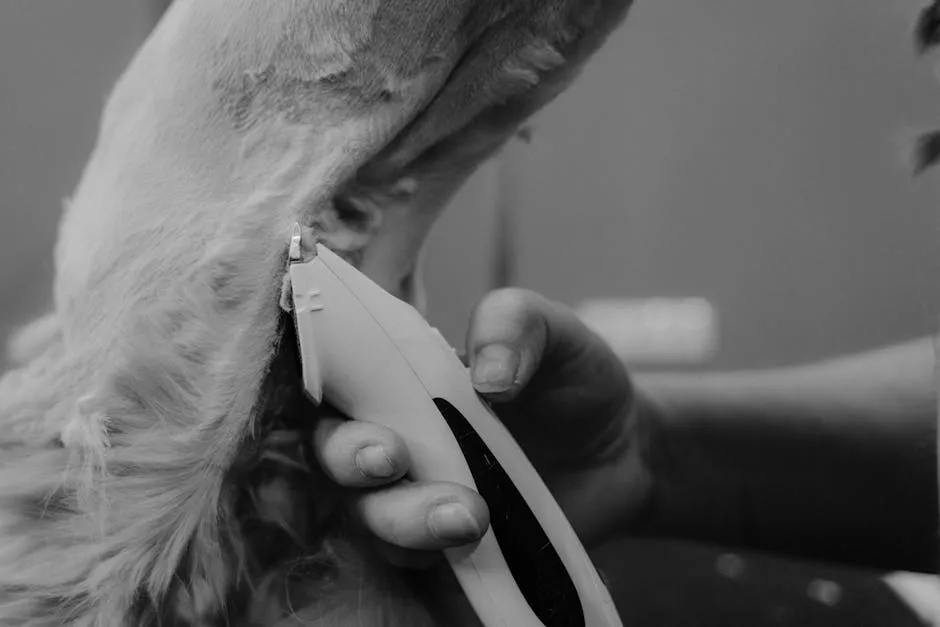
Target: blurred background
x,y
726,186
747,153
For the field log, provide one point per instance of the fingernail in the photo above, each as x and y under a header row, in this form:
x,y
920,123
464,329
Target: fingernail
x,y
452,522
495,368
373,461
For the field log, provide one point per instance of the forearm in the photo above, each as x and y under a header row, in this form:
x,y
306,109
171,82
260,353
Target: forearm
x,y
835,460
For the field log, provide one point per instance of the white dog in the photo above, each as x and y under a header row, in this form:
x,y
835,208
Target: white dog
x,y
156,463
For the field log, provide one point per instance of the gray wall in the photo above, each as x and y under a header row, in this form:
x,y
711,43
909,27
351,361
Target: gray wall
x,y
58,59
747,151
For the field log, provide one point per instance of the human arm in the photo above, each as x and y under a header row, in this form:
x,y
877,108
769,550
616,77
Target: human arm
x,y
834,460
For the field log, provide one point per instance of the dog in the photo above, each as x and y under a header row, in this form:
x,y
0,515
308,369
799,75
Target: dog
x,y
156,462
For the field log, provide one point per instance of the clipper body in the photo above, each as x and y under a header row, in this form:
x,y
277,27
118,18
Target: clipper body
x,y
375,358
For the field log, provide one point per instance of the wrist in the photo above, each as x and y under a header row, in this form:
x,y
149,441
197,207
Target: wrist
x,y
688,490
604,499
649,462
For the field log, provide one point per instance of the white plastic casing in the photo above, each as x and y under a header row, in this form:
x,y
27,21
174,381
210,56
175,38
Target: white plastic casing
x,y
376,359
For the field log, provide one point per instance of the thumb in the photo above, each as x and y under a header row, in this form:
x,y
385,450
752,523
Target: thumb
x,y
506,341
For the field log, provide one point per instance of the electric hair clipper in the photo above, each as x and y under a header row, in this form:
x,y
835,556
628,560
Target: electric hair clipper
x,y
375,358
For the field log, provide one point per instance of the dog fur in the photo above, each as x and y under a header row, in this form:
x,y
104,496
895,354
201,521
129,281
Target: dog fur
x,y
156,462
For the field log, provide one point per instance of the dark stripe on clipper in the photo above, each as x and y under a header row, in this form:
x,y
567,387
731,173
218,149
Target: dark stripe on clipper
x,y
531,557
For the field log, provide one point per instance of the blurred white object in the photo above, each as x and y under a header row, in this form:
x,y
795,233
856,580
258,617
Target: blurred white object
x,y
920,592
657,331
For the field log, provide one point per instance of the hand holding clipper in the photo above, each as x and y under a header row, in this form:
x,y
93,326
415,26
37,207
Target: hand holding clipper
x,y
376,359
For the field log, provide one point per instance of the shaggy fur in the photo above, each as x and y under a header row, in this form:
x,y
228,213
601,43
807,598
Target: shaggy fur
x,y
157,465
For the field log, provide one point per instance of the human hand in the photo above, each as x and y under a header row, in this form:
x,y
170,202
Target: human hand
x,y
563,394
